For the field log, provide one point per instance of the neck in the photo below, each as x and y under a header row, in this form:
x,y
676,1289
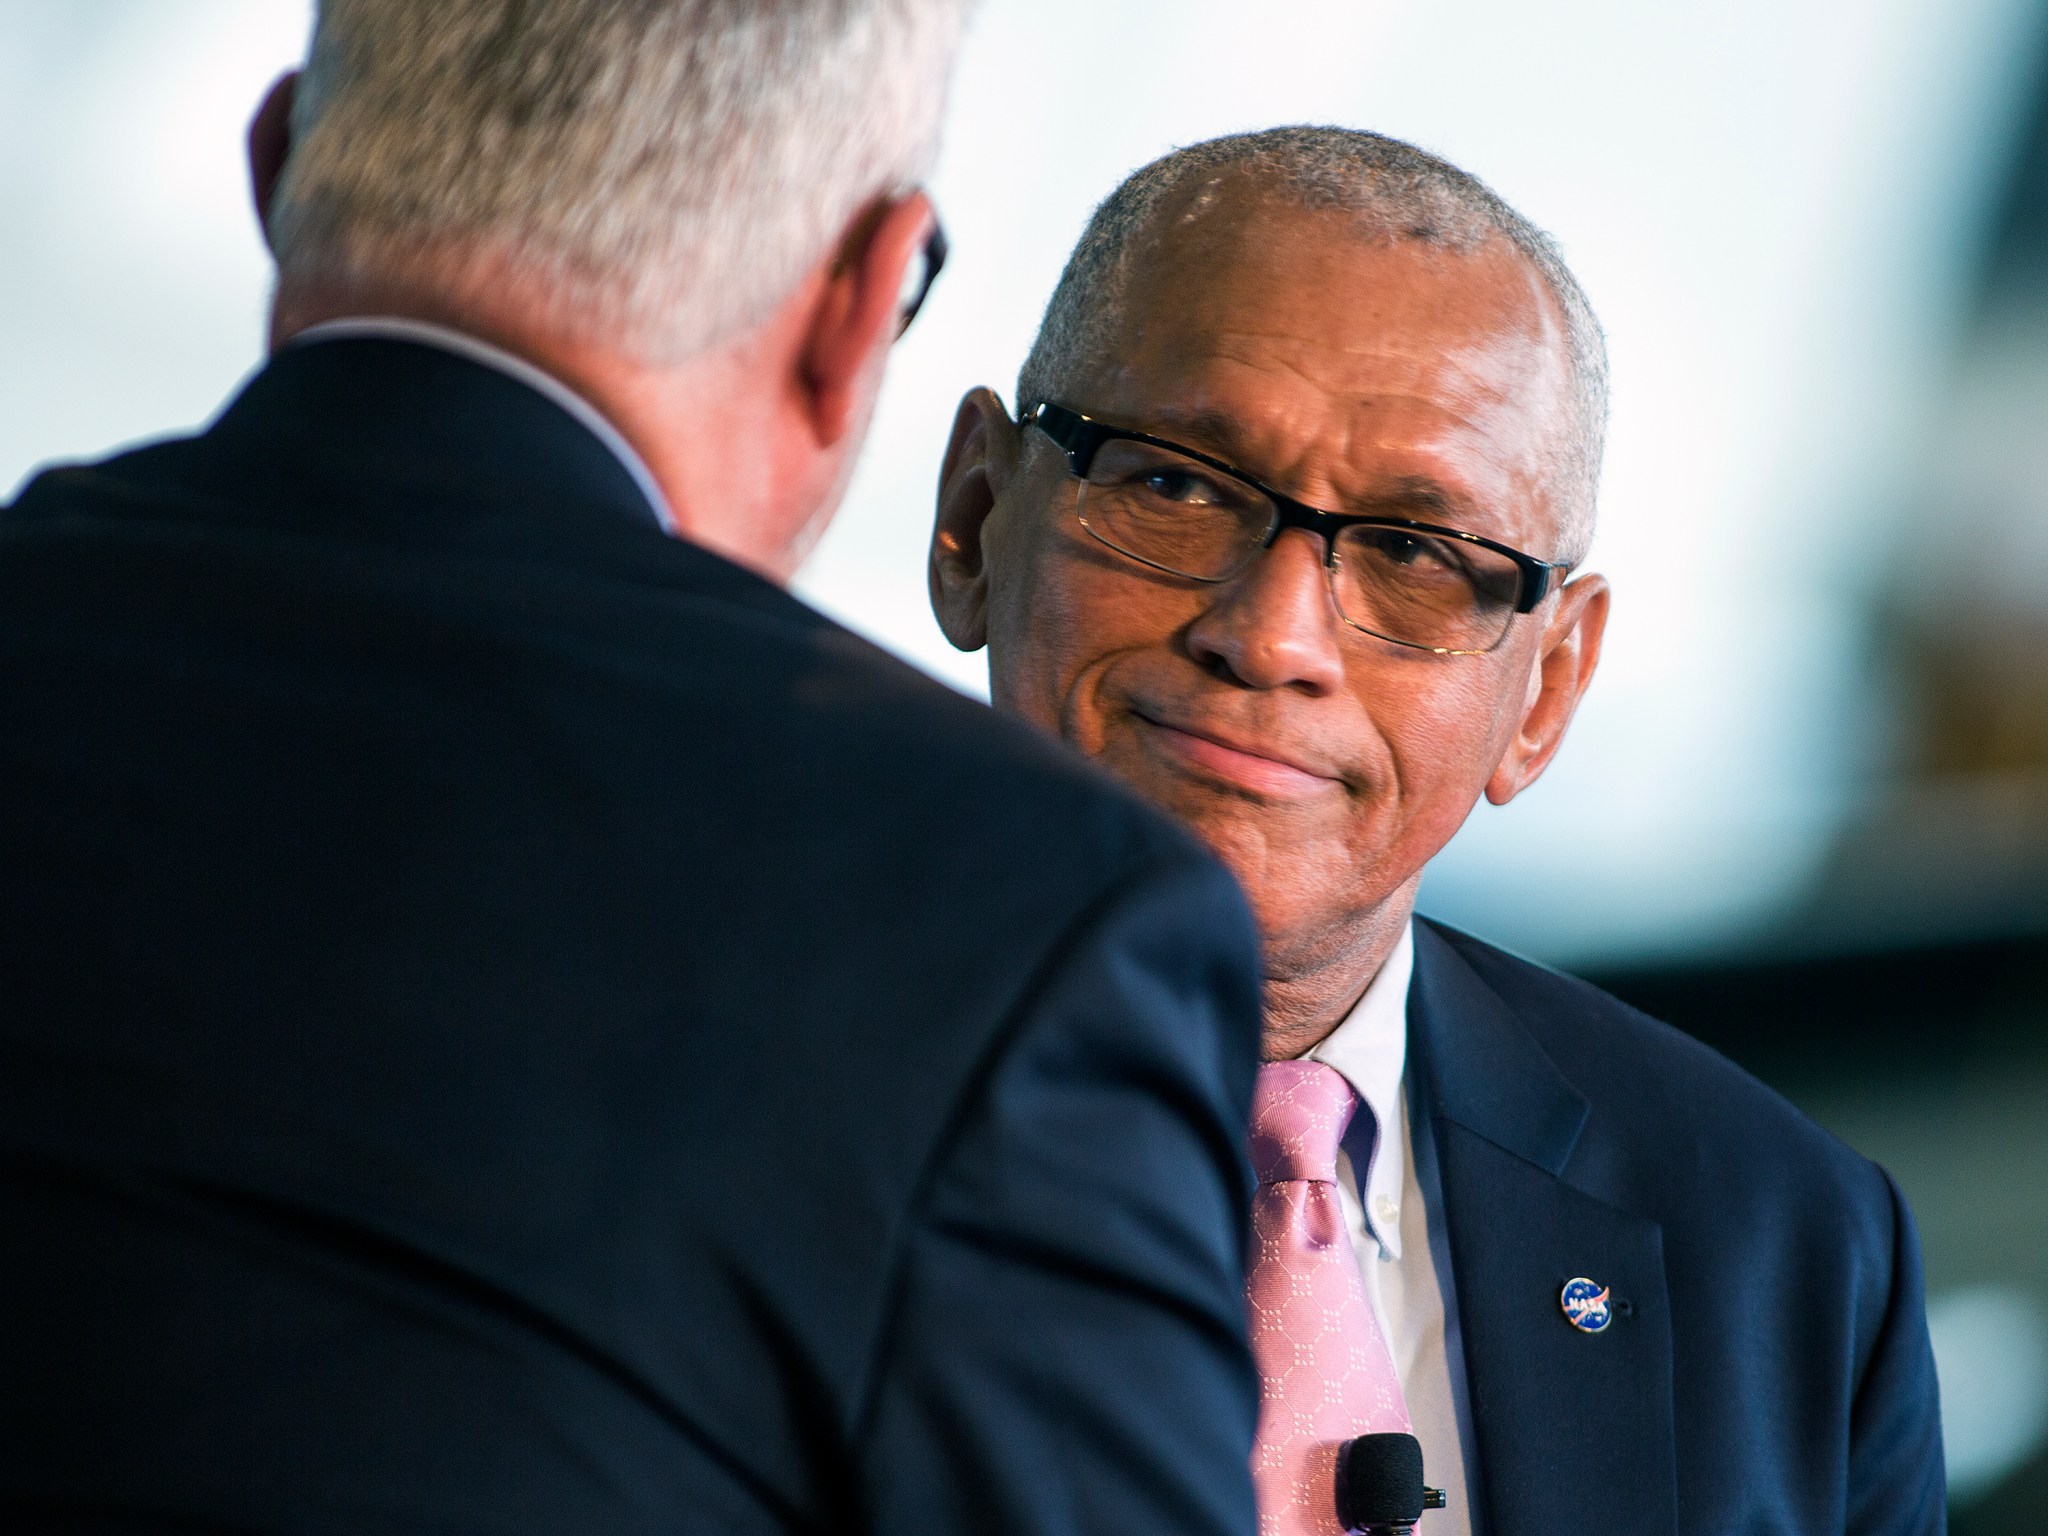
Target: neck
x,y
1313,982
704,426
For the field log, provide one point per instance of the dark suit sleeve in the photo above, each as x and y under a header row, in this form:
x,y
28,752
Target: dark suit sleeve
x,y
1066,1346
1897,1486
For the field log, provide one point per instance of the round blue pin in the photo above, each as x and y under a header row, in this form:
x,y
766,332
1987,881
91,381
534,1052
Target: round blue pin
x,y
1585,1305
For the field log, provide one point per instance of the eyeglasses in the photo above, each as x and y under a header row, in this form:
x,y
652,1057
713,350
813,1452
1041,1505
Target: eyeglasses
x,y
918,280
1187,514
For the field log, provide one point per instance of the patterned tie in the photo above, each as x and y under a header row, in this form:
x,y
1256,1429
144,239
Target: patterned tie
x,y
1325,1373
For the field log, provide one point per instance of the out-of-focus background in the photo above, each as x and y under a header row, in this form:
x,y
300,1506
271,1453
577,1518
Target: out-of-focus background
x,y
1804,813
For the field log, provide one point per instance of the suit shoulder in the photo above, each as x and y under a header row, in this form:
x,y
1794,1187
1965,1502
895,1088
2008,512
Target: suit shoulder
x,y
62,487
1583,1026
1682,1104
735,727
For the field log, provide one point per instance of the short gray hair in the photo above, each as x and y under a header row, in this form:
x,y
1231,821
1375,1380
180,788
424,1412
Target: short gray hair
x,y
1394,192
667,168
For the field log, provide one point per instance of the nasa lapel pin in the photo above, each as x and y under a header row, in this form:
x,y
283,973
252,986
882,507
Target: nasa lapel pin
x,y
1586,1306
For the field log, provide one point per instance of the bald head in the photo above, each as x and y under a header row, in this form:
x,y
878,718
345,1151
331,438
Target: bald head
x,y
1222,199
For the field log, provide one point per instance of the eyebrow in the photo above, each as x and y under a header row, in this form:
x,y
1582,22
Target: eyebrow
x,y
1417,497
1430,498
1211,431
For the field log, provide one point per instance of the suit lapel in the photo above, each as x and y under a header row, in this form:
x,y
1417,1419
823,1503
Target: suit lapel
x,y
1573,1430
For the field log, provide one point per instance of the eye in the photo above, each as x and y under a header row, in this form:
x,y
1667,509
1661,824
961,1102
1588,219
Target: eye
x,y
1401,548
1181,485
1406,549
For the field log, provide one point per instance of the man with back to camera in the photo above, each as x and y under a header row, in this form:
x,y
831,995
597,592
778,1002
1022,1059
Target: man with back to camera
x,y
493,1040
1283,534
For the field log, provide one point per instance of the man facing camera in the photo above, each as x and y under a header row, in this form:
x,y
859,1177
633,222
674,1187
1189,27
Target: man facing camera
x,y
494,1033
1285,536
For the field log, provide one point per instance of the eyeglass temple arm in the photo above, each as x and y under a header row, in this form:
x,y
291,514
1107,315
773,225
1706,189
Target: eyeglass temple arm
x,y
1070,430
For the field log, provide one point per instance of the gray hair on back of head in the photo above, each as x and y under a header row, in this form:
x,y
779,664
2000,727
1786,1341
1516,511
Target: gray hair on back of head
x,y
1394,192
662,171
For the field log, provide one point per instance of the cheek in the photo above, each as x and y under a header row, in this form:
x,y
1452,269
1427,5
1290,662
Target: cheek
x,y
1058,622
1446,742
1038,635
1022,587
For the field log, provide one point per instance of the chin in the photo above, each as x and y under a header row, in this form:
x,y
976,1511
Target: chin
x,y
1252,852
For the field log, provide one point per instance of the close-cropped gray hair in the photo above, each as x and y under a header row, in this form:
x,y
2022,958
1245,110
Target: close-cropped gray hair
x,y
1393,192
666,169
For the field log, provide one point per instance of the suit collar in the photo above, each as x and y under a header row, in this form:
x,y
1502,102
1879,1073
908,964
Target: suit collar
x,y
425,426
388,441
1488,1073
1570,1430
539,380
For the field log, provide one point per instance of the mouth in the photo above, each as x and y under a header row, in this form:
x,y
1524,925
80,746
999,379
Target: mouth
x,y
1244,765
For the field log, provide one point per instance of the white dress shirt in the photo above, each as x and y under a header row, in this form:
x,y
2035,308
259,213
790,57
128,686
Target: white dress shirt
x,y
1390,1230
539,380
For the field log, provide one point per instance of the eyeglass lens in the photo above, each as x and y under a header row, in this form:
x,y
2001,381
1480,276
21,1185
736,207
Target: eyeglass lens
x,y
1181,516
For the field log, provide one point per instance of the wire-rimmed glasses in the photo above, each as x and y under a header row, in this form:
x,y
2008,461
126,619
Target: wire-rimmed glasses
x,y
1180,511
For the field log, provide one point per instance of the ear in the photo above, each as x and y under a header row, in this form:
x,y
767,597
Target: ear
x,y
1564,670
981,458
270,145
858,312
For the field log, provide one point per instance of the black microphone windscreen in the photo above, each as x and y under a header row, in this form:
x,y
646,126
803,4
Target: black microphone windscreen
x,y
1379,1481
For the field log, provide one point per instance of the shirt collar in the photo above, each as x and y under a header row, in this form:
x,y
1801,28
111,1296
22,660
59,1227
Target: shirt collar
x,y
1370,1049
427,334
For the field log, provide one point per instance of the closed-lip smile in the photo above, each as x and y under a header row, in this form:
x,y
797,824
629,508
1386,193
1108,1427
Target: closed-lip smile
x,y
1250,766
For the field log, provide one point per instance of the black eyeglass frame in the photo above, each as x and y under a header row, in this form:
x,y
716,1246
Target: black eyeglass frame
x,y
935,251
1081,438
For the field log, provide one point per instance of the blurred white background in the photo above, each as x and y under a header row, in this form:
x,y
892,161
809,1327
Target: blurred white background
x,y
1773,203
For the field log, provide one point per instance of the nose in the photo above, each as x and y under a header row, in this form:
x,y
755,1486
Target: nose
x,y
1275,625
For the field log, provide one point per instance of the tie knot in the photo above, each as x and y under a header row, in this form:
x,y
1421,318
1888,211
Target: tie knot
x,y
1300,1110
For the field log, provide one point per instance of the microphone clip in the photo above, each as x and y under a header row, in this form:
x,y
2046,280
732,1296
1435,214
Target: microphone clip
x,y
1379,1488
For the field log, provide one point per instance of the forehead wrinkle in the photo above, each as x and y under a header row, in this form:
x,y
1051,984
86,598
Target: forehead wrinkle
x,y
1339,418
1314,394
1488,370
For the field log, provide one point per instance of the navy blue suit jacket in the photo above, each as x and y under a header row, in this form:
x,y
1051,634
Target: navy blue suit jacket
x,y
509,1023
1766,1370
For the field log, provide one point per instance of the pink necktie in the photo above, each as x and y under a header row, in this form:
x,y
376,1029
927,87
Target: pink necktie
x,y
1325,1373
